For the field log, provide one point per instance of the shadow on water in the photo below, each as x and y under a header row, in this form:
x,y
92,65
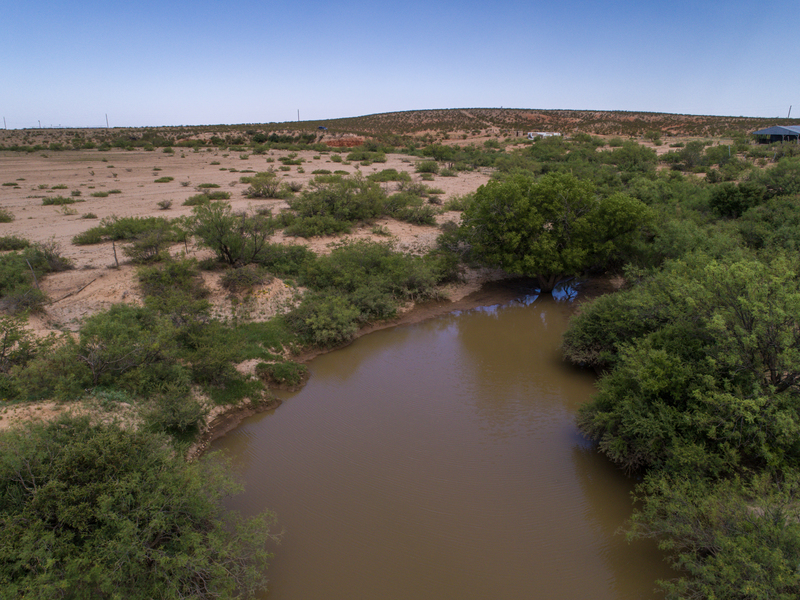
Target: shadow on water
x,y
441,460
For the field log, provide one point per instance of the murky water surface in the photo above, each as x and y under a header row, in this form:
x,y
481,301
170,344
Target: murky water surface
x,y
441,460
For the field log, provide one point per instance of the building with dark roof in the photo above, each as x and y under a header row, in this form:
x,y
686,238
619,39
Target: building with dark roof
x,y
778,133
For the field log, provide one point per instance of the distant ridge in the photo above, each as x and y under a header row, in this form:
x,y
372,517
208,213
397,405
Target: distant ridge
x,y
566,121
453,124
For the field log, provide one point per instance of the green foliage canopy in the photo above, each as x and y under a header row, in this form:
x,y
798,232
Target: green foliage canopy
x,y
706,380
102,512
550,228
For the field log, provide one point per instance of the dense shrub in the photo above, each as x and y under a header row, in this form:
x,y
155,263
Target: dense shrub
x,y
12,242
21,271
285,260
288,374
389,175
427,166
243,279
128,228
178,274
236,238
265,185
79,496
324,320
333,207
774,226
130,348
710,367
59,201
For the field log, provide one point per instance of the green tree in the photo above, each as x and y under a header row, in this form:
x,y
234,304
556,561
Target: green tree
x,y
708,385
551,228
125,339
738,540
97,511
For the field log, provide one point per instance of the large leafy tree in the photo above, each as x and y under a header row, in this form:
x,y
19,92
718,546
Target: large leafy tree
x,y
550,228
709,385
97,511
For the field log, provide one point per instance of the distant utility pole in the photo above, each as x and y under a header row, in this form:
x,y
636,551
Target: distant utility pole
x,y
298,115
40,124
106,120
790,112
4,123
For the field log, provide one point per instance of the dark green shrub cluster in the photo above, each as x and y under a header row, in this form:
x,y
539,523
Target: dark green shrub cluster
x,y
265,185
175,277
91,493
428,166
285,260
6,216
287,375
703,391
699,395
59,201
389,175
12,242
357,283
330,208
243,279
129,228
20,273
773,226
366,157
236,238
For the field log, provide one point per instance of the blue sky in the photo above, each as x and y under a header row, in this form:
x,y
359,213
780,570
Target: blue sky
x,y
149,63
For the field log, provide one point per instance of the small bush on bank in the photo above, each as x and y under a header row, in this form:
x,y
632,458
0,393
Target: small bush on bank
x,y
288,375
285,260
6,216
243,279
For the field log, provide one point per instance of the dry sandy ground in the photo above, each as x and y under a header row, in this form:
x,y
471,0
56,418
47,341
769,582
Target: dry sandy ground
x,y
96,284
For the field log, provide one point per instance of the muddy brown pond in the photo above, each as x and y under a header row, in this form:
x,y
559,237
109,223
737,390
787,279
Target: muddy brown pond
x,y
441,460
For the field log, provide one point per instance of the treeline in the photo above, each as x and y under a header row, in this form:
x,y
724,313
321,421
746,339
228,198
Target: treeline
x,y
699,354
700,364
